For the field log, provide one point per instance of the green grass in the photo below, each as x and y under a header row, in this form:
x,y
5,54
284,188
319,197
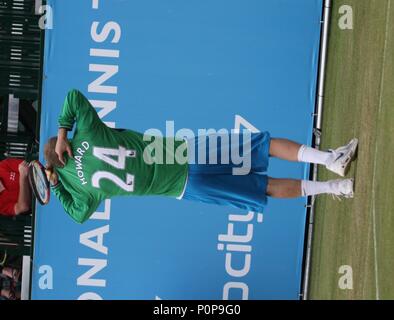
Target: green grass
x,y
359,103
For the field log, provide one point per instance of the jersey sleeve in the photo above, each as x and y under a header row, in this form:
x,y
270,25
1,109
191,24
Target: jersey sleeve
x,y
79,209
77,109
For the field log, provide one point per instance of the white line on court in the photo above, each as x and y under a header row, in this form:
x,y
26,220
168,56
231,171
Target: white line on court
x,y
376,152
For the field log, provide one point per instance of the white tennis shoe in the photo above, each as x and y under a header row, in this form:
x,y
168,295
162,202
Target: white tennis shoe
x,y
342,188
342,157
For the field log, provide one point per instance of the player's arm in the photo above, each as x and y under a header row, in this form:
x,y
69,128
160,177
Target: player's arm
x,y
63,145
24,197
77,109
78,209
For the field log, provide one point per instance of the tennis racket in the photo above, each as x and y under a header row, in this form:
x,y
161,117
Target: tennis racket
x,y
39,182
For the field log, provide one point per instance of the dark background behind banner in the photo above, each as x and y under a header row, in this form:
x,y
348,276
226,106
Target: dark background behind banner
x,y
199,64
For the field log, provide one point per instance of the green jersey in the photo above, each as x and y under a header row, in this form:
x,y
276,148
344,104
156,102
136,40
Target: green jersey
x,y
109,162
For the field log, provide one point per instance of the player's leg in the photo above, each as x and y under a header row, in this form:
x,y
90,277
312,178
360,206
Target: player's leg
x,y
292,151
284,188
335,160
289,188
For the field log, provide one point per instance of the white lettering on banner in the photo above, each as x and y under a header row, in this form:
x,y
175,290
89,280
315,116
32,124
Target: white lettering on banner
x,y
87,279
95,4
104,61
105,32
46,21
104,215
90,296
46,280
107,73
86,239
104,53
239,246
108,70
235,285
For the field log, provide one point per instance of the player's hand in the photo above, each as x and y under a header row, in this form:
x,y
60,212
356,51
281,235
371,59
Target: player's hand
x,y
52,177
62,146
23,169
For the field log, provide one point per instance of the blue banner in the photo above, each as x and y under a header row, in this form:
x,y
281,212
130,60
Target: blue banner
x,y
186,64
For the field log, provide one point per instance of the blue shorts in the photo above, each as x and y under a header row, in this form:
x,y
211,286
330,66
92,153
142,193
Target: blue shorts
x,y
216,183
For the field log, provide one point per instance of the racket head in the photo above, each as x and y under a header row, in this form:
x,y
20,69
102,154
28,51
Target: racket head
x,y
39,182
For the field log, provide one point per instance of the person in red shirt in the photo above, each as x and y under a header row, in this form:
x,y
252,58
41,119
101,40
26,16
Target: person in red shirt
x,y
15,193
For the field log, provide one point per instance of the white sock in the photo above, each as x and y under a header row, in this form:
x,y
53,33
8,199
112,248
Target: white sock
x,y
312,155
312,188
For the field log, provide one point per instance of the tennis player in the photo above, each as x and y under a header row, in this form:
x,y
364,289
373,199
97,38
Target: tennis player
x,y
100,162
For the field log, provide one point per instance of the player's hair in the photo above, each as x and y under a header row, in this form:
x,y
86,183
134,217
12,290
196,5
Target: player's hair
x,y
51,158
